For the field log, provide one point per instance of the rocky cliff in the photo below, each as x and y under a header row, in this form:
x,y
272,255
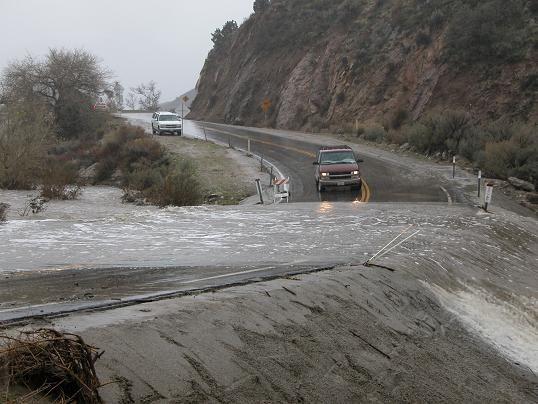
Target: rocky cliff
x,y
336,63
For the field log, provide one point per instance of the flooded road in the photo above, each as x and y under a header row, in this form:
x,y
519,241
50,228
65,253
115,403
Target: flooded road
x,y
484,267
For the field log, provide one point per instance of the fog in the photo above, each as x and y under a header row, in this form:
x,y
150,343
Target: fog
x,y
165,41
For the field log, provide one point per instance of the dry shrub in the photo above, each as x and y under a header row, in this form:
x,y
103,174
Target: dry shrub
x,y
60,181
515,157
129,149
24,140
181,186
397,137
34,205
51,364
3,211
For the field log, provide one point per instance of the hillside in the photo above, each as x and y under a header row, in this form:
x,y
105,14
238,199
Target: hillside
x,y
175,105
333,63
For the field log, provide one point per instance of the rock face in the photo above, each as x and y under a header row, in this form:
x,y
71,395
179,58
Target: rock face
x,y
520,184
333,63
88,174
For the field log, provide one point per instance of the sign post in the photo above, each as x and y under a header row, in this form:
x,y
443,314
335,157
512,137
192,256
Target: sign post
x,y
488,195
184,99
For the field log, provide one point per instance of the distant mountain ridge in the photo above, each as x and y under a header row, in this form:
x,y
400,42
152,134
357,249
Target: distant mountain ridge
x,y
175,105
330,63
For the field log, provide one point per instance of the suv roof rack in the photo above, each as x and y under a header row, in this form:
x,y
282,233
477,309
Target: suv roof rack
x,y
342,147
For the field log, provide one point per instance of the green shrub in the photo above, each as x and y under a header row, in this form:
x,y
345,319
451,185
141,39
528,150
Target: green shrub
x,y
441,132
423,39
437,19
375,134
145,179
493,30
398,118
420,136
530,83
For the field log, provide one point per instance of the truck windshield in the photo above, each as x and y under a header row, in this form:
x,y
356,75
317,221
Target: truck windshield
x,y
169,118
340,157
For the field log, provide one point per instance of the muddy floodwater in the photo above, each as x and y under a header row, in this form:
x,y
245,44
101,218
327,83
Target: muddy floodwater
x,y
482,267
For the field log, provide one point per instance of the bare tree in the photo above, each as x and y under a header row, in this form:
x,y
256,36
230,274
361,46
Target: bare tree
x,y
149,96
67,81
118,94
131,101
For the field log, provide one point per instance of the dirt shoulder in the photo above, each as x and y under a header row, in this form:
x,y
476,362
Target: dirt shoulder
x,y
227,175
351,334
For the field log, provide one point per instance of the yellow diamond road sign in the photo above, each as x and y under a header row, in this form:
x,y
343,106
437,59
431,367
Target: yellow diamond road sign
x,y
266,105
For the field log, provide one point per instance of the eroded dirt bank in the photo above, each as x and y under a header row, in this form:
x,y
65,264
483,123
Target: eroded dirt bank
x,y
351,334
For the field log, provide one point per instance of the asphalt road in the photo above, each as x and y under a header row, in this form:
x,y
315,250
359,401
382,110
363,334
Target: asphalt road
x,y
383,182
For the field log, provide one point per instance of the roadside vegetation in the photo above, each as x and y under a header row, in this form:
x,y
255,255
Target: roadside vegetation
x,y
145,170
500,149
51,139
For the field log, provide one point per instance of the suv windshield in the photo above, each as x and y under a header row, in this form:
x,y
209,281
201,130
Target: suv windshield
x,y
168,118
339,157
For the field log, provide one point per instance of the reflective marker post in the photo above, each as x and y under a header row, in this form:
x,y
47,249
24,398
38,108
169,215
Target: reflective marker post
x,y
488,194
248,146
454,167
479,181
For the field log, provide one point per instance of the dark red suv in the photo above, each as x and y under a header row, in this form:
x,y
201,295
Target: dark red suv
x,y
337,166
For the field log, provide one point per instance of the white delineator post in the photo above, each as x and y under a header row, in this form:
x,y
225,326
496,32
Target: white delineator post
x,y
248,145
454,167
479,181
488,195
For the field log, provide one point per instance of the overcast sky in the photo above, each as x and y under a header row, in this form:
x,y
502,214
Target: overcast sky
x,y
139,40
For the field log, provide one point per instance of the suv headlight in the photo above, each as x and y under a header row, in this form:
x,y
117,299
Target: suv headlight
x,y
324,174
354,173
